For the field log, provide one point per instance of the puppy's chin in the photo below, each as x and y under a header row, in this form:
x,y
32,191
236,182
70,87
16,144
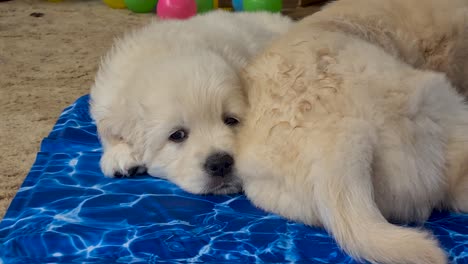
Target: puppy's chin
x,y
203,184
227,185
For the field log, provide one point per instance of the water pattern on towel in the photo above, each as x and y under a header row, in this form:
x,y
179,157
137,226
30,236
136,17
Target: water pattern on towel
x,y
67,211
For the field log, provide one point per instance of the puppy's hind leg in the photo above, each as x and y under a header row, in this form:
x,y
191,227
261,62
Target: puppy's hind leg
x,y
457,171
344,195
460,195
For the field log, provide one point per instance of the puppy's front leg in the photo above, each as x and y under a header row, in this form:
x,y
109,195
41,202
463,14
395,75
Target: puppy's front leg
x,y
344,195
118,159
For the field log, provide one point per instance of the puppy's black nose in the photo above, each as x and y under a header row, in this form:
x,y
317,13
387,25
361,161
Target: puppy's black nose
x,y
219,164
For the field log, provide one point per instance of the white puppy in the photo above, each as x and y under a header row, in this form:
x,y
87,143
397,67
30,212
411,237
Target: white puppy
x,y
348,128
168,97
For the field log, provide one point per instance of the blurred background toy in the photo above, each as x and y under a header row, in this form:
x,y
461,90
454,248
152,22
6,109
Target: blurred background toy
x,y
115,3
205,6
176,9
182,9
238,5
141,6
263,5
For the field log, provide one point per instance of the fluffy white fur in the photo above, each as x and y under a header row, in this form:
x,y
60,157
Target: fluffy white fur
x,y
350,125
173,75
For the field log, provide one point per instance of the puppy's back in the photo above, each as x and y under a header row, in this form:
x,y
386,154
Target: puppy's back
x,y
427,34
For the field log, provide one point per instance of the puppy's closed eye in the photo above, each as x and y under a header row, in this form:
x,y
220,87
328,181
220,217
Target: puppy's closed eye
x,y
230,121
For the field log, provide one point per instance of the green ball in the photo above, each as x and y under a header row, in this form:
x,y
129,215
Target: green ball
x,y
141,6
263,5
204,6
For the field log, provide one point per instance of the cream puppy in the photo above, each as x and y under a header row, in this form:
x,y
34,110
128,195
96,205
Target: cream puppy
x,y
168,98
348,128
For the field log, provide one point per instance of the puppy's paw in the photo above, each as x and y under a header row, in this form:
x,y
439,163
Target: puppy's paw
x,y
118,161
130,172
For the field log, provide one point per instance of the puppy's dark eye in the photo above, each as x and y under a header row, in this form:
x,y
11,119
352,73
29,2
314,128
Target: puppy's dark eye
x,y
179,136
231,121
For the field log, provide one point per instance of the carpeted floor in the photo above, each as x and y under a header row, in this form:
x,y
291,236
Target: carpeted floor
x,y
48,57
49,54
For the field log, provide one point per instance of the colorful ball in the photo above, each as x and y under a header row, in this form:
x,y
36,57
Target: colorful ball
x,y
141,6
176,9
115,3
263,5
204,6
238,5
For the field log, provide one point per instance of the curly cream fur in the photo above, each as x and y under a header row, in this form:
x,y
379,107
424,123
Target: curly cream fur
x,y
353,122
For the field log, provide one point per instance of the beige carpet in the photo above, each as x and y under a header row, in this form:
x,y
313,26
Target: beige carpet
x,y
48,57
45,64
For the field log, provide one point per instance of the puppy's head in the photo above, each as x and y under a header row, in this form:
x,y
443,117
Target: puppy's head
x,y
191,106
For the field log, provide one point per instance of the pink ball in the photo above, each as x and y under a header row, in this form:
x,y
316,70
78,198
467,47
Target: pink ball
x,y
176,9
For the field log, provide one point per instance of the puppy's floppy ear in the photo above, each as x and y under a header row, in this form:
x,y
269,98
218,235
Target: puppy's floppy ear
x,y
117,123
246,82
141,109
261,71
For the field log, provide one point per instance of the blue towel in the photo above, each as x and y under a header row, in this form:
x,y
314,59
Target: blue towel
x,y
67,211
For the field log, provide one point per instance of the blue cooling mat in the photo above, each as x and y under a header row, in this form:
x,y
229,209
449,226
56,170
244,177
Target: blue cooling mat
x,y
67,211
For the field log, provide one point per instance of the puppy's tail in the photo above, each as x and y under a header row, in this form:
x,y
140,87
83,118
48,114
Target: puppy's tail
x,y
347,208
